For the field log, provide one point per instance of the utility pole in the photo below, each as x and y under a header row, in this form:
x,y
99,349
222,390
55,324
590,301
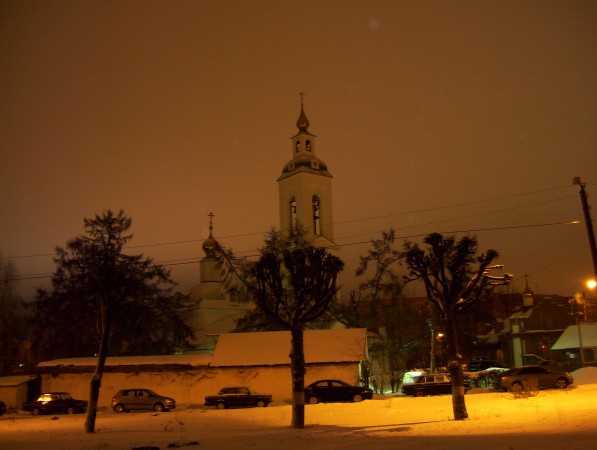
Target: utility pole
x,y
578,299
588,223
432,355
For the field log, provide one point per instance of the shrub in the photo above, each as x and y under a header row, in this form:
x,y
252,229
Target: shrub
x,y
525,389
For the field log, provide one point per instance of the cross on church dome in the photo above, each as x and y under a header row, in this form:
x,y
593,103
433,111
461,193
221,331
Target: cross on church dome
x,y
210,244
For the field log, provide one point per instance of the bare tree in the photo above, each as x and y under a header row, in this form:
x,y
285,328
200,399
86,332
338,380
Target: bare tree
x,y
379,306
454,278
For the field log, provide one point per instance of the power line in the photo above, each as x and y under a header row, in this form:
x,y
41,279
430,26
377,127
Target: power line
x,y
468,216
453,206
359,220
470,230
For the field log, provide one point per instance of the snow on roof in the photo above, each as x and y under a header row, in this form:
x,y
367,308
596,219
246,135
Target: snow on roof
x,y
273,347
15,380
191,360
569,338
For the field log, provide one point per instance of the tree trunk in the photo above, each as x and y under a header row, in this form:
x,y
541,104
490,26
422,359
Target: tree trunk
x,y
455,368
96,380
297,368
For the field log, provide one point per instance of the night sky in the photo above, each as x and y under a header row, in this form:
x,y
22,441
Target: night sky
x,y
461,116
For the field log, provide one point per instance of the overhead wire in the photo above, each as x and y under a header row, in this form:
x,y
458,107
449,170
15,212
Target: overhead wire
x,y
455,205
193,260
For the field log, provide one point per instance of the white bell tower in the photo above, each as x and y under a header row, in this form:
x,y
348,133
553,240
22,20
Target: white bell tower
x,y
305,189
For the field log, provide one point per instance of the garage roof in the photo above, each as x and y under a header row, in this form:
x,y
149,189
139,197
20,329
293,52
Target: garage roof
x,y
569,338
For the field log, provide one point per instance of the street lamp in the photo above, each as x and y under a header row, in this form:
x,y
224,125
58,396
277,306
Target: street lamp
x,y
432,351
591,302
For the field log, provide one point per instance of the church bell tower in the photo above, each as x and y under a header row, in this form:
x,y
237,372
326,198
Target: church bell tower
x,y
305,189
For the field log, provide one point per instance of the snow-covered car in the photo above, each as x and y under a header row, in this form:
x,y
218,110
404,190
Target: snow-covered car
x,y
541,377
335,391
55,402
431,384
139,398
237,396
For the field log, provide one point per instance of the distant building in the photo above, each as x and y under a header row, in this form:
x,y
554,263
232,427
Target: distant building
x,y
531,328
569,343
16,389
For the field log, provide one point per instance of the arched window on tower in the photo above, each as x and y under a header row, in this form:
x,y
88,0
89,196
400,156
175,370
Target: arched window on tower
x,y
316,209
293,218
298,146
308,145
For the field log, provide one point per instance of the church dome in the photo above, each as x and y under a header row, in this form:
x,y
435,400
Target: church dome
x,y
209,246
305,163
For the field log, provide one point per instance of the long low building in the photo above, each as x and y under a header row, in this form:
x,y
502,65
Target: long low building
x,y
259,360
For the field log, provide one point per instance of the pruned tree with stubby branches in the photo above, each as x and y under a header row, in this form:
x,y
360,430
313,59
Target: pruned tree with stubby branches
x,y
292,283
455,278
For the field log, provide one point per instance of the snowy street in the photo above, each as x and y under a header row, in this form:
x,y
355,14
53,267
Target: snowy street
x,y
554,419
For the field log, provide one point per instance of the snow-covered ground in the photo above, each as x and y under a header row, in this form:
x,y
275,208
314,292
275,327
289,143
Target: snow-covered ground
x,y
554,419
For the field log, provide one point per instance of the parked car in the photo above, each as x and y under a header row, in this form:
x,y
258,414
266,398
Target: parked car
x,y
140,398
237,396
335,391
2,407
55,402
516,378
477,365
431,384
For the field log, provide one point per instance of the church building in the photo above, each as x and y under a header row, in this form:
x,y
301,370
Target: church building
x,y
305,200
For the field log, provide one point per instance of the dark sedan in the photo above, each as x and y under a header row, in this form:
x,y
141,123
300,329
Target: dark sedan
x,y
335,391
526,378
431,384
55,402
237,396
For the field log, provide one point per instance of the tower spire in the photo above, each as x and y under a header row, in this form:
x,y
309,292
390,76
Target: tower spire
x,y
211,227
302,123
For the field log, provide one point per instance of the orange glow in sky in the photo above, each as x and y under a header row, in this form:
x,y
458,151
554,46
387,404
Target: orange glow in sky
x,y
465,116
